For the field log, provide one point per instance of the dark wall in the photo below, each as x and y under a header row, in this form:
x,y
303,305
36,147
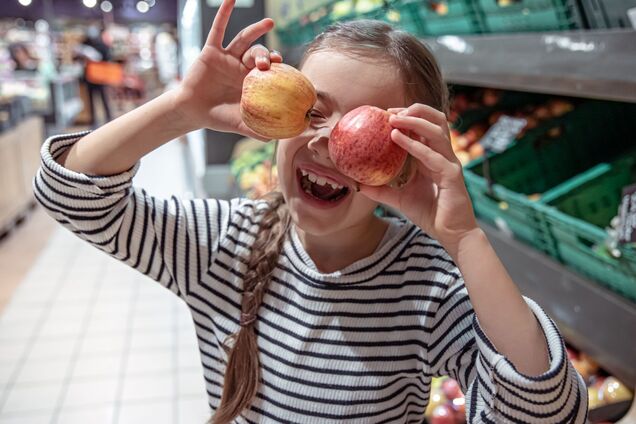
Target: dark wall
x,y
219,145
123,10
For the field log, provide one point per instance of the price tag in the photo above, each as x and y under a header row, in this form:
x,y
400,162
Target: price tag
x,y
502,133
627,216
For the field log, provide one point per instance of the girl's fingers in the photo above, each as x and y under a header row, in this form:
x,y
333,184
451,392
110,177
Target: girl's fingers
x,y
259,56
442,171
395,110
217,32
248,36
429,113
436,137
275,56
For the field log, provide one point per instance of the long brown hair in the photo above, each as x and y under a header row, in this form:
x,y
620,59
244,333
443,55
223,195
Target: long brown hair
x,y
423,83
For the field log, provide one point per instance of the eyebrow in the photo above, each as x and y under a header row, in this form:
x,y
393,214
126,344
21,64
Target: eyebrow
x,y
326,98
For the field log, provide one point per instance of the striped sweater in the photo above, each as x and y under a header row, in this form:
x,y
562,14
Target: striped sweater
x,y
360,345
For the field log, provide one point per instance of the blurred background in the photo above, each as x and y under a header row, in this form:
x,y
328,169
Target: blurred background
x,y
542,117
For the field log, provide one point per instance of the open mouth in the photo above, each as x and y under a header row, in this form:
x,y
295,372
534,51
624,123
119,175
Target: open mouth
x,y
321,188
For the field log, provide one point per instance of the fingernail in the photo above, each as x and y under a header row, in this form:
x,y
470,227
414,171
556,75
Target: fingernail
x,y
402,112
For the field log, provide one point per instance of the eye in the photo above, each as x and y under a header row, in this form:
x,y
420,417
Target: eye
x,y
314,114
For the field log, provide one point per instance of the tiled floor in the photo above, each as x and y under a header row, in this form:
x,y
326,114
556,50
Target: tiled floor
x,y
84,339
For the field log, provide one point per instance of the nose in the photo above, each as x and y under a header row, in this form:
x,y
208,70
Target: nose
x,y
319,143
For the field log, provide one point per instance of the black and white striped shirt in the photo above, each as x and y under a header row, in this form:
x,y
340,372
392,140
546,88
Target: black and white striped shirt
x,y
358,345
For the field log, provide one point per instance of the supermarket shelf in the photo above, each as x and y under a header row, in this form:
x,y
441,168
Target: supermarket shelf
x,y
592,318
592,64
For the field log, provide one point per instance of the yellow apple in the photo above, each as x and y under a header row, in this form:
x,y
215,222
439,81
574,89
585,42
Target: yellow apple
x,y
276,103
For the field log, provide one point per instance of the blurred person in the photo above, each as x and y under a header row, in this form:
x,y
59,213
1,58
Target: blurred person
x,y
22,57
93,49
166,56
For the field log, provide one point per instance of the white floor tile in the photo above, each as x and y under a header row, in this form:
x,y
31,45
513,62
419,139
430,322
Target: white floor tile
x,y
159,340
6,371
36,371
191,382
75,290
12,351
155,413
44,348
102,344
26,418
108,325
96,366
90,415
36,398
149,387
188,357
193,410
60,328
156,322
66,311
150,362
91,392
15,314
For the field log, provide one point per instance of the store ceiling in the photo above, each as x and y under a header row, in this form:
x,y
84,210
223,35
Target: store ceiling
x,y
123,10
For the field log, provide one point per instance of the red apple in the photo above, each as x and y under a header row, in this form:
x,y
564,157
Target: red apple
x,y
451,389
361,148
442,414
276,103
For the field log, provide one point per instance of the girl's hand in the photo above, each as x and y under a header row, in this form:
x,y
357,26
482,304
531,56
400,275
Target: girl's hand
x,y
435,197
210,92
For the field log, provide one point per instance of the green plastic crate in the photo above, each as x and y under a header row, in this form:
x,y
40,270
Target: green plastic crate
x,y
529,15
578,212
593,132
457,17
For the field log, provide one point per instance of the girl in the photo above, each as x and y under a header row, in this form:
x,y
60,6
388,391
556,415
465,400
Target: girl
x,y
308,308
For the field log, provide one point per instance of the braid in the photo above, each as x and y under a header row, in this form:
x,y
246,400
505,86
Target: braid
x,y
242,373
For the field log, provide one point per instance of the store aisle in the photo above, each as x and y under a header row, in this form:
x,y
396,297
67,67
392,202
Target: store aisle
x,y
84,339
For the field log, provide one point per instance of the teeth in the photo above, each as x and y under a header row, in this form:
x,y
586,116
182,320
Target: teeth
x,y
320,180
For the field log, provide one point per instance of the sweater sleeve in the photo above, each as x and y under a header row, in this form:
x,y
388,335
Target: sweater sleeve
x,y
496,392
170,240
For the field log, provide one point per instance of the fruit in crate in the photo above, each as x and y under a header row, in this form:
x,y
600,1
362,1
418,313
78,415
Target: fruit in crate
x,y
439,7
476,151
259,180
436,397
276,103
559,107
451,389
442,414
491,97
613,391
361,148
593,399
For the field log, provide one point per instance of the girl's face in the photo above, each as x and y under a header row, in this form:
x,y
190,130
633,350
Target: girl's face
x,y
309,181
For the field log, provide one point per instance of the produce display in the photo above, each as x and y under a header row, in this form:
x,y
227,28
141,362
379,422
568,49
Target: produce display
x,y
473,113
276,103
446,404
254,170
603,390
